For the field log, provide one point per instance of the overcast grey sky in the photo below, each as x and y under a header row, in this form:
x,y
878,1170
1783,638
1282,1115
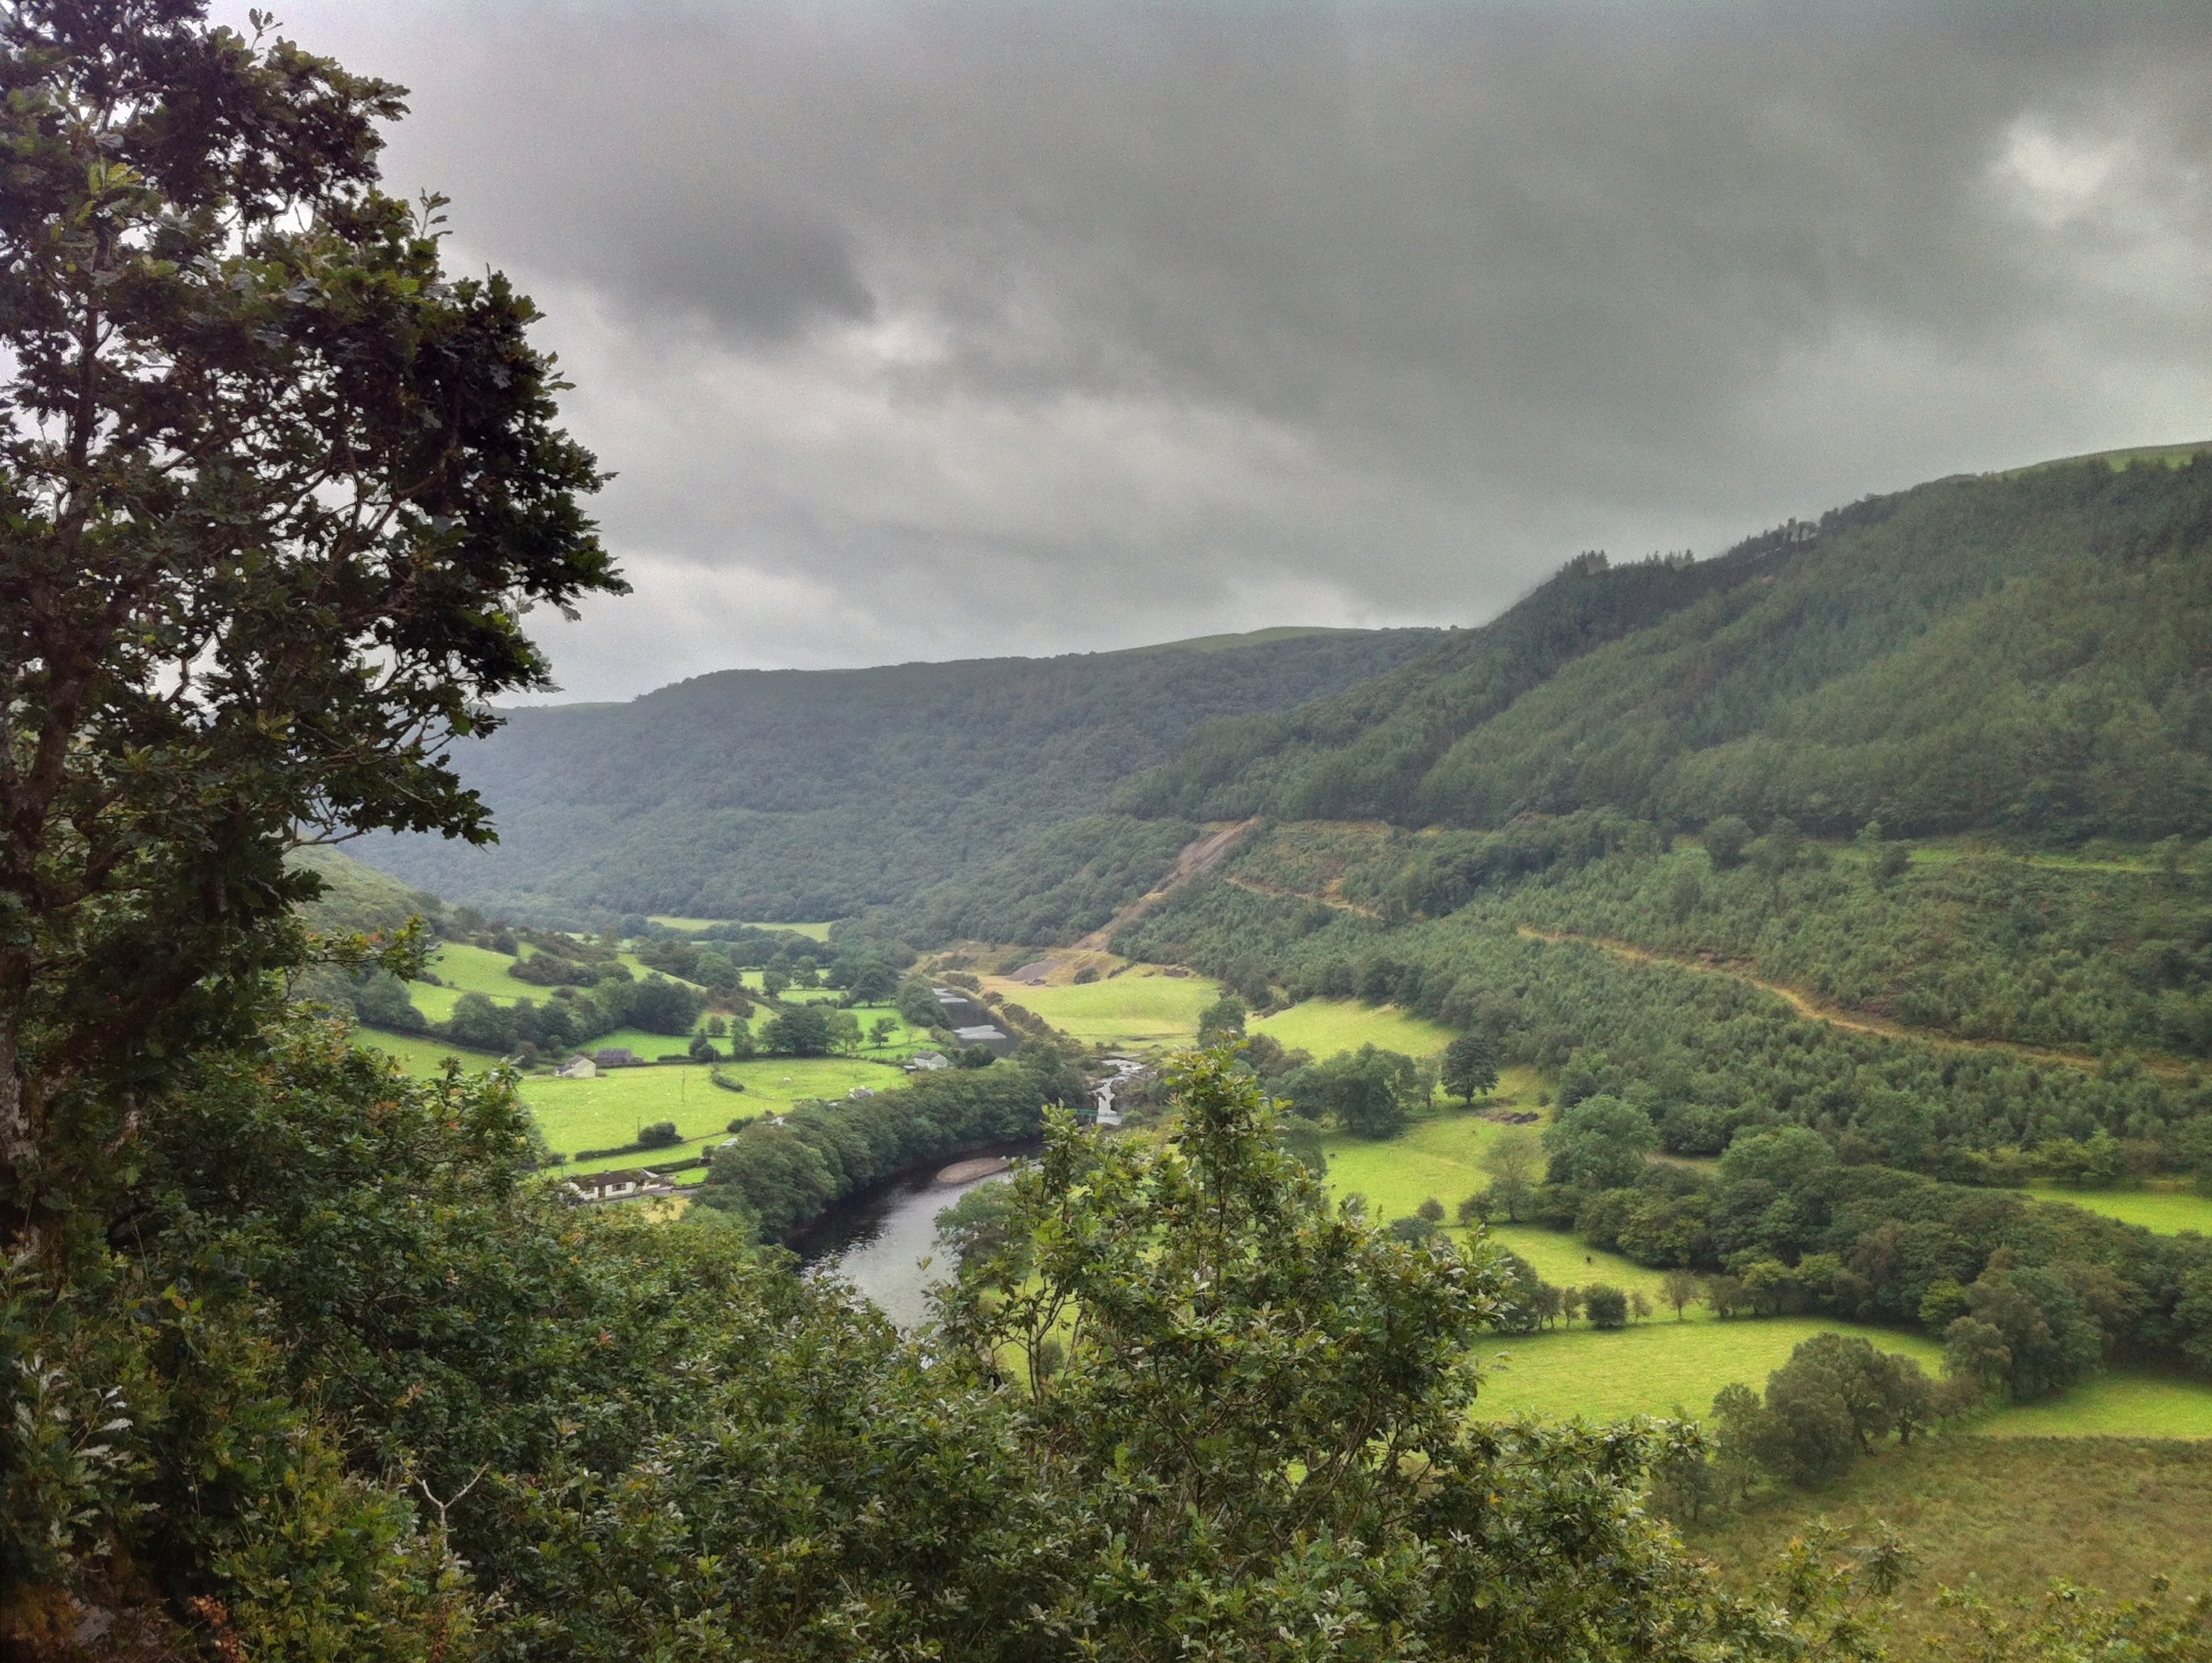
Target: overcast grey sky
x,y
923,331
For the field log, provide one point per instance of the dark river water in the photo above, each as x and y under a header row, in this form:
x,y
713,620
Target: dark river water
x,y
877,1241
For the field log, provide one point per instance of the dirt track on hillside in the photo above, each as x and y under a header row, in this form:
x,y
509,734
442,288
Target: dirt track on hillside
x,y
1836,1016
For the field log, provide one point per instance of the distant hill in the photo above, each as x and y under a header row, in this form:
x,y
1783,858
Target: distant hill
x,y
2028,652
811,793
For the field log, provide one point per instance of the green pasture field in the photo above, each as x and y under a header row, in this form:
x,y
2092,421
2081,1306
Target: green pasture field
x,y
420,1055
751,981
462,969
641,970
818,932
1139,1009
1567,1261
1635,1371
2120,1402
601,1113
1652,1368
1326,1026
669,1090
692,926
1437,1156
2167,1211
2011,1514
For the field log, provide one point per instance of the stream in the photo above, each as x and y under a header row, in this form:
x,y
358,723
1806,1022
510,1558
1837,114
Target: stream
x,y
878,1239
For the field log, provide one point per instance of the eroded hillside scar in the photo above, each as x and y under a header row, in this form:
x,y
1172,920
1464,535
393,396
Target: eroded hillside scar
x,y
1198,857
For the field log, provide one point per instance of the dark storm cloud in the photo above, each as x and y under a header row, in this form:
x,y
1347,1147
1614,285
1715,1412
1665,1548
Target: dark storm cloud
x,y
919,331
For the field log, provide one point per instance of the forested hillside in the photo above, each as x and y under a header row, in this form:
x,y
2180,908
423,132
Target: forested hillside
x,y
799,794
2027,655
2031,653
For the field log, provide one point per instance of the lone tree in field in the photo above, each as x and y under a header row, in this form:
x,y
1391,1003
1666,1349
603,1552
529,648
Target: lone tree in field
x,y
275,493
1471,1067
1513,1160
1679,1288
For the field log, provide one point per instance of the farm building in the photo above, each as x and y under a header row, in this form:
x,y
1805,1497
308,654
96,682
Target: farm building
x,y
615,1056
576,1068
618,1186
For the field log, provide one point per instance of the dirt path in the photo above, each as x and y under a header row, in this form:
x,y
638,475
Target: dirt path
x,y
1819,1010
1198,857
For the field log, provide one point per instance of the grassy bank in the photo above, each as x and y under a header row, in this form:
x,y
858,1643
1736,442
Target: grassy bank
x,y
2008,1515
1438,1157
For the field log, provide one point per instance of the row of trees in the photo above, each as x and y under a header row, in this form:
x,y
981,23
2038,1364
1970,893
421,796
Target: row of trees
x,y
1838,1398
772,1179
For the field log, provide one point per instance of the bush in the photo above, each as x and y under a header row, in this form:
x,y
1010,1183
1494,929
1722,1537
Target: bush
x,y
381,1001
550,970
661,1134
1607,1307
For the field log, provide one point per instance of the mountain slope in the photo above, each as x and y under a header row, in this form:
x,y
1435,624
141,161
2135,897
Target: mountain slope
x,y
2029,653
790,794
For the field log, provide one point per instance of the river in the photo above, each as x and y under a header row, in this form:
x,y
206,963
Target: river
x,y
877,1241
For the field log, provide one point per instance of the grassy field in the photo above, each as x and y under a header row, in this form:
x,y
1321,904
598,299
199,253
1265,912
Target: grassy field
x,y
2119,1403
1568,1262
1436,1156
462,969
812,932
1141,1009
2011,1515
1650,1368
608,1111
598,1113
423,1056
2167,1211
1326,1026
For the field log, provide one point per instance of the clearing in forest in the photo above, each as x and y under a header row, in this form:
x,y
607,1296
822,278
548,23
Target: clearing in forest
x,y
1143,1007
2167,1211
1326,1026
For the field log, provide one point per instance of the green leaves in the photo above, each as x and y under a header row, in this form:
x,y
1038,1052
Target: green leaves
x,y
1268,1410
273,497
